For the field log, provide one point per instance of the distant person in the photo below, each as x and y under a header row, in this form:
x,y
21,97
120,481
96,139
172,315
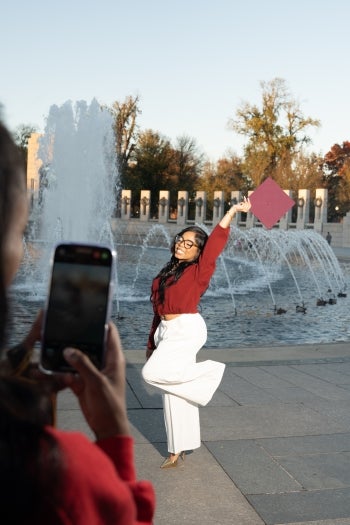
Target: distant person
x,y
328,238
48,476
178,332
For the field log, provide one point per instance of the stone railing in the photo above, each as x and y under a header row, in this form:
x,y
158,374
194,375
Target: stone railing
x,y
340,231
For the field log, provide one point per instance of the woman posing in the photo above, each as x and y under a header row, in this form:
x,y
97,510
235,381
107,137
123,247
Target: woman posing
x,y
178,332
47,475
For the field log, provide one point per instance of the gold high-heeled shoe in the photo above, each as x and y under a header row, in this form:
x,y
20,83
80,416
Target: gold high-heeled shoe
x,y
169,463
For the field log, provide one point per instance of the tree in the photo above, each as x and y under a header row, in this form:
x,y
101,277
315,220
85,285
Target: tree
x,y
276,132
187,163
21,136
336,178
307,172
152,157
126,131
226,175
337,160
158,165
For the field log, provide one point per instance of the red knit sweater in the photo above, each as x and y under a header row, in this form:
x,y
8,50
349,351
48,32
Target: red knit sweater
x,y
184,295
100,486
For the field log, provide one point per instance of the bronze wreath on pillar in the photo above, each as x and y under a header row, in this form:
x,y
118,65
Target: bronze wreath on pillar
x,y
199,202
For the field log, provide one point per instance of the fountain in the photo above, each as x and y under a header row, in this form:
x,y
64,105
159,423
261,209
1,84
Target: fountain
x,y
78,184
79,175
264,279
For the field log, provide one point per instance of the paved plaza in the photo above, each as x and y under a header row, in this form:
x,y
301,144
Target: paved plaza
x,y
276,440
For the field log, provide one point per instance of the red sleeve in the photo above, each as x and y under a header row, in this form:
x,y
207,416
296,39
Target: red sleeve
x,y
214,246
120,450
99,484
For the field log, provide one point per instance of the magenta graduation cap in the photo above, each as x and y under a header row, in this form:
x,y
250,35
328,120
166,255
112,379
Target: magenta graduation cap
x,y
269,203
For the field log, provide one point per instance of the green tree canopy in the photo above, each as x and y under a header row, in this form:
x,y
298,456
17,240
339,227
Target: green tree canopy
x,y
275,133
157,165
149,169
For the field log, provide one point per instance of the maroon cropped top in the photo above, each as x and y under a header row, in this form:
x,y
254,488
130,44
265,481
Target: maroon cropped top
x,y
184,295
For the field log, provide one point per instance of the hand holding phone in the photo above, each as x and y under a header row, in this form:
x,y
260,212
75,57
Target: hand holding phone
x,y
78,304
101,394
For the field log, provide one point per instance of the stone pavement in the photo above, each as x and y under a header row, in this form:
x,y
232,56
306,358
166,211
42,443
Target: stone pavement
x,y
275,440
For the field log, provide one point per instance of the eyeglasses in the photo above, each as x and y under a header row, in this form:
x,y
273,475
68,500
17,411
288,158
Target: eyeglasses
x,y
186,242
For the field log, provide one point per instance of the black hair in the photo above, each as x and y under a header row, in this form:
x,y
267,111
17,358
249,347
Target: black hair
x,y
173,270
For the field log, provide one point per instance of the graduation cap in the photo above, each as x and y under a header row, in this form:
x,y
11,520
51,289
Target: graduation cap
x,y
269,203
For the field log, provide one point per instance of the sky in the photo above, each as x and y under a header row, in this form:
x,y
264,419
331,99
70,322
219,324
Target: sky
x,y
191,62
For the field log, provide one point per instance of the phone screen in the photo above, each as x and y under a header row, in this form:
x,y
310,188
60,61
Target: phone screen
x,y
78,304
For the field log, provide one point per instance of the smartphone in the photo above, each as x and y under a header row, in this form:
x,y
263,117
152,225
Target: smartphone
x,y
78,304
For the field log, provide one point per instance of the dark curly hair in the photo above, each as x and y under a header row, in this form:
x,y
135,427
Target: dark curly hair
x,y
173,270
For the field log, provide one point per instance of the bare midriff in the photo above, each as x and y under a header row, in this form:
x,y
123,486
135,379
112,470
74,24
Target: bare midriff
x,y
169,317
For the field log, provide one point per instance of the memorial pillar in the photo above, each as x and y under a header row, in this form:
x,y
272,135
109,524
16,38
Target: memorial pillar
x,y
218,207
163,206
126,205
303,215
145,205
201,207
321,208
182,207
236,197
286,219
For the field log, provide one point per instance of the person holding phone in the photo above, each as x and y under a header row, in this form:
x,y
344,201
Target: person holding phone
x,y
48,475
178,332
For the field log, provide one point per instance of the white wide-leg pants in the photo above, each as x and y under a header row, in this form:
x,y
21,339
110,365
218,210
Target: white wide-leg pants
x,y
185,384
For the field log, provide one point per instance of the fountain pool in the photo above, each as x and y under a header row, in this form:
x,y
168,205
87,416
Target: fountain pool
x,y
241,313
261,273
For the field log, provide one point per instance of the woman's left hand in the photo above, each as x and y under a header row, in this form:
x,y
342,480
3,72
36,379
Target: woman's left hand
x,y
21,361
243,206
19,357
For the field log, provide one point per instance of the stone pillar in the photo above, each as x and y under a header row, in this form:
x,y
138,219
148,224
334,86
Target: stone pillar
x,y
201,207
321,206
163,206
218,206
251,219
182,207
145,205
125,205
287,217
303,202
236,197
33,169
